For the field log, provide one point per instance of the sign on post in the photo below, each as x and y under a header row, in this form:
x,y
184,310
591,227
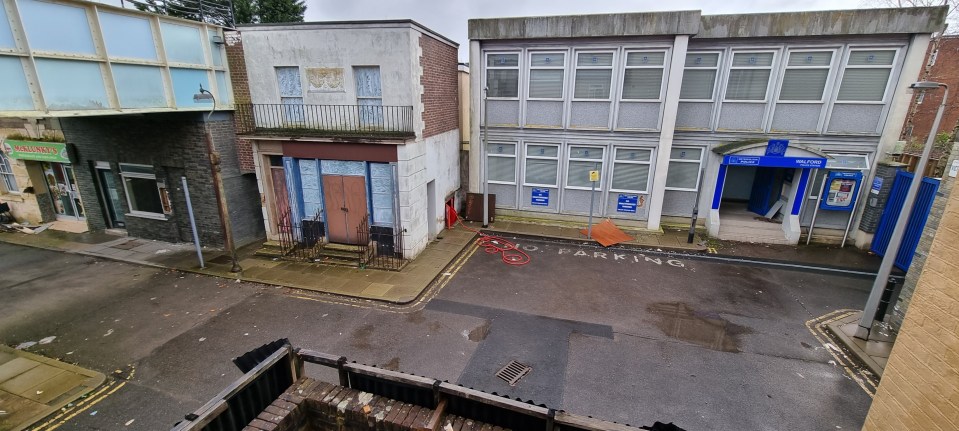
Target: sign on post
x,y
594,176
39,151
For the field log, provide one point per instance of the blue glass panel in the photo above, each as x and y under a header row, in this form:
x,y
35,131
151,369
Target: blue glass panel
x,y
56,27
225,96
139,86
182,43
6,35
14,93
186,83
216,48
127,36
69,84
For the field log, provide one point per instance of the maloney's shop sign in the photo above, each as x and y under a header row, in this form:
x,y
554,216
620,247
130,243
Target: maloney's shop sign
x,y
39,151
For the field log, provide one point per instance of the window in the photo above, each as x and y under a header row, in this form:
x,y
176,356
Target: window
x,y
541,164
806,76
749,76
581,161
631,169
546,71
501,163
144,194
291,93
683,171
594,73
699,76
6,171
866,76
643,78
502,75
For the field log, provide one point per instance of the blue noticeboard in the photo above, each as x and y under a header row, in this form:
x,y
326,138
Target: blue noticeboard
x,y
775,161
841,190
627,203
540,197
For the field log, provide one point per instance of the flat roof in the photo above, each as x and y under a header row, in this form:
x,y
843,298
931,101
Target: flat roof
x,y
328,25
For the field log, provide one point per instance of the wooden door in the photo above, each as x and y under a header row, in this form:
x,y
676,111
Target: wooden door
x,y
345,200
280,195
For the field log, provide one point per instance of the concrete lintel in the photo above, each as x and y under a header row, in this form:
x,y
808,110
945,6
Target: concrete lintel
x,y
602,25
824,23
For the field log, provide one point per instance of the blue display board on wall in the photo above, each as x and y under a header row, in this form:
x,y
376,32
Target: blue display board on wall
x,y
540,197
627,203
841,190
775,161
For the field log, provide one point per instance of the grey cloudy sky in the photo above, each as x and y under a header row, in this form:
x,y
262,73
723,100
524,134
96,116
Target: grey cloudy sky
x,y
448,17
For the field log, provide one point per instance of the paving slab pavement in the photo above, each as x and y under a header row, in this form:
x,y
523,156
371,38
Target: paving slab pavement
x,y
32,387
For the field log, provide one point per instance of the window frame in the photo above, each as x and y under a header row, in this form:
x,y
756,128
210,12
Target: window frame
x,y
612,73
662,80
530,68
126,191
518,67
9,177
557,158
893,66
717,68
830,72
600,186
731,68
648,163
516,148
699,172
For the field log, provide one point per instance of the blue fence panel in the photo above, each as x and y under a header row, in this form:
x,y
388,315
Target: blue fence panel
x,y
917,218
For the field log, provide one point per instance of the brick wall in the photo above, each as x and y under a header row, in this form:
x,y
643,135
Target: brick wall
x,y
440,86
944,70
876,203
236,59
920,385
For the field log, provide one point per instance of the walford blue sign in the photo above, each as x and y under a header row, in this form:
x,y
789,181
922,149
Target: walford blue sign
x,y
540,197
775,161
627,203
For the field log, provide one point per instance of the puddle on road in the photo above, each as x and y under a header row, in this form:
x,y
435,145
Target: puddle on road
x,y
480,332
679,321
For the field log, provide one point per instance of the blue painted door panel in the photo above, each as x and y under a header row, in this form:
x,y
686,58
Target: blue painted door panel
x,y
917,218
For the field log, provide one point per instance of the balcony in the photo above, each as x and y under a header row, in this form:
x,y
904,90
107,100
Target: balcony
x,y
347,121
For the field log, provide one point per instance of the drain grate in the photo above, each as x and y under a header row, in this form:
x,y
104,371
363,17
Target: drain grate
x,y
513,372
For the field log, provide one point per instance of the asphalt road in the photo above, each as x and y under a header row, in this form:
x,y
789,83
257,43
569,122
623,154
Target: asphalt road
x,y
615,335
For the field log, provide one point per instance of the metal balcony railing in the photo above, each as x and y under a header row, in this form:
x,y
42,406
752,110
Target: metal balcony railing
x,y
375,121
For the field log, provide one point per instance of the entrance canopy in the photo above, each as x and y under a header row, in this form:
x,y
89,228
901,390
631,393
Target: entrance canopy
x,y
773,154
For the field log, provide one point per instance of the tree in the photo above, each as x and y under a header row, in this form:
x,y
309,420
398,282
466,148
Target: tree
x,y
221,12
952,19
275,11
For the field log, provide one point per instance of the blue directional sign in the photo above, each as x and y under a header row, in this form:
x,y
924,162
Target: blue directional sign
x,y
540,197
775,161
627,203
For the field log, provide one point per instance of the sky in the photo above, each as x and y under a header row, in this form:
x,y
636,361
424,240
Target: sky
x,y
449,17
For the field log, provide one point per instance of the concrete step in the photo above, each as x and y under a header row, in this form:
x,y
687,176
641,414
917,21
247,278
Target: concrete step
x,y
329,253
753,239
340,247
751,231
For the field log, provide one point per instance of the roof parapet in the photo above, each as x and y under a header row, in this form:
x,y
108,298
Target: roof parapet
x,y
620,24
825,23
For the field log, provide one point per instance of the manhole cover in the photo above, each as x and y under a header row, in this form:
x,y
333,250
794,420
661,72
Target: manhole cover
x,y
513,371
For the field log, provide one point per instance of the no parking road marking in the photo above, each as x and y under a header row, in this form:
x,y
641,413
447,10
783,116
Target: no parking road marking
x,y
624,257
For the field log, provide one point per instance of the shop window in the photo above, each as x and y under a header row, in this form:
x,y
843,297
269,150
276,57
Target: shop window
x,y
594,73
643,78
581,161
501,163
806,75
631,170
749,76
546,72
6,171
145,195
699,76
502,75
866,75
683,171
542,162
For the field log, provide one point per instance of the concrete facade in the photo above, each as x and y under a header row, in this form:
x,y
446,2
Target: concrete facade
x,y
920,383
697,108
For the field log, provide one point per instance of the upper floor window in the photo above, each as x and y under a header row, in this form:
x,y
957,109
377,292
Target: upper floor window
x,y
749,76
866,75
594,74
6,171
546,73
502,75
699,76
806,75
643,78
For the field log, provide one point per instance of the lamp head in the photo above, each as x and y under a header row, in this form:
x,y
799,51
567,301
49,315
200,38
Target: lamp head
x,y
203,96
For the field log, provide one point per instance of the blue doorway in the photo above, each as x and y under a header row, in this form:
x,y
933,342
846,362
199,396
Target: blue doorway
x,y
766,190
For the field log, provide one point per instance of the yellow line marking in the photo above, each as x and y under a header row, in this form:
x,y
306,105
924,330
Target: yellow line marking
x,y
857,374
93,399
81,410
712,250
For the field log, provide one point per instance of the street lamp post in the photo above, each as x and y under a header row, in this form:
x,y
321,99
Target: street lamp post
x,y
882,277
225,221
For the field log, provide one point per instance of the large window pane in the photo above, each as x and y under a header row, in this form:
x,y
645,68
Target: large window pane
x,y
682,175
593,84
144,195
747,84
14,92
501,169
182,43
69,84
502,60
186,83
502,82
127,36
139,86
698,84
863,85
546,83
642,83
803,84
56,27
630,176
541,171
578,173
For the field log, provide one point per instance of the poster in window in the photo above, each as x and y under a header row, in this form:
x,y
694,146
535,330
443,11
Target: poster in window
x,y
841,190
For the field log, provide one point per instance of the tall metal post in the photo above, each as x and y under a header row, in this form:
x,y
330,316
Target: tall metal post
x,y
815,211
218,187
592,194
483,158
189,211
692,223
882,277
